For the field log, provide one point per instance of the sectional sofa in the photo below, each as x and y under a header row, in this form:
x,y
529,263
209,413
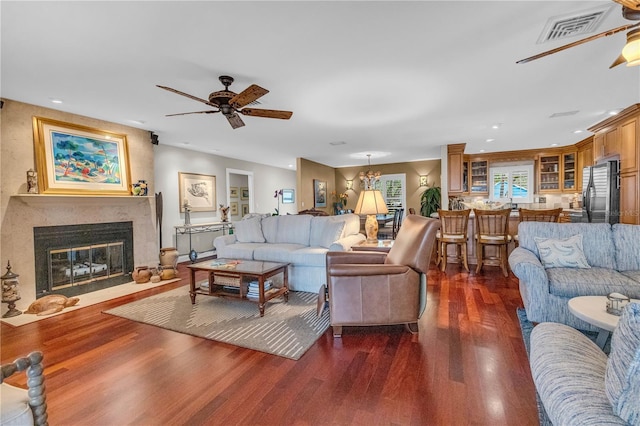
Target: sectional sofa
x,y
301,240
578,259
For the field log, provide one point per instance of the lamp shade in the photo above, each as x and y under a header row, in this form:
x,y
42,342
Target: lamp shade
x,y
631,51
370,201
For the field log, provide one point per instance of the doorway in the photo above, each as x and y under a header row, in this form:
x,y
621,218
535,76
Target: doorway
x,y
240,197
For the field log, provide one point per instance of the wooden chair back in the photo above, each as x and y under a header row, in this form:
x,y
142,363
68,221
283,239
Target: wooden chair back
x,y
549,215
454,223
492,226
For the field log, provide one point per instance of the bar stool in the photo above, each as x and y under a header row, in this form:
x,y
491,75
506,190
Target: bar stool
x,y
492,229
526,215
453,230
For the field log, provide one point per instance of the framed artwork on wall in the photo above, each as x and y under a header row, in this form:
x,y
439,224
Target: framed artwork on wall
x,y
245,209
74,159
319,193
234,208
244,193
288,196
198,190
233,192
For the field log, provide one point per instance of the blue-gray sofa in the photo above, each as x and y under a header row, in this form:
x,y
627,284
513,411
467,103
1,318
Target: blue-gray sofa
x,y
612,254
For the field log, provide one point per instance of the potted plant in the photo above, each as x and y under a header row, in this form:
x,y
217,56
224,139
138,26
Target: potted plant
x,y
430,201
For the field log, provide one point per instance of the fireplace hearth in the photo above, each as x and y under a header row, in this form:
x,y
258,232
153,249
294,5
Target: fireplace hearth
x,y
78,259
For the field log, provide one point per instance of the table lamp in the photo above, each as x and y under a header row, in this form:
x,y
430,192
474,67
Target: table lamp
x,y
371,203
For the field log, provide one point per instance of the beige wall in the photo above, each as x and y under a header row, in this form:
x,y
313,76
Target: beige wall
x,y
19,213
307,172
412,170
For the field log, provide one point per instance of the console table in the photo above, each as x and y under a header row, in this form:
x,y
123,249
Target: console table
x,y
200,228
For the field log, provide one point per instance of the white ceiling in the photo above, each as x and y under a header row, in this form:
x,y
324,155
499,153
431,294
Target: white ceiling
x,y
401,78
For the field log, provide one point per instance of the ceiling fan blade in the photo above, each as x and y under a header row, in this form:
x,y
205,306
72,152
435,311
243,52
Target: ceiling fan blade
x,y
195,98
631,4
268,113
234,120
578,42
247,96
195,112
619,60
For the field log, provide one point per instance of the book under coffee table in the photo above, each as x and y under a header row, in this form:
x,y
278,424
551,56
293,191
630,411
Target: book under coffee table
x,y
230,278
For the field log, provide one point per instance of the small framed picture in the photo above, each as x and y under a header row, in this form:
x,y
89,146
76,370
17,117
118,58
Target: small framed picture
x,y
233,192
319,193
234,208
244,193
288,196
245,209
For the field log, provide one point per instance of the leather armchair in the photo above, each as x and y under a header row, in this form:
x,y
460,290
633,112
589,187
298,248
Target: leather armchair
x,y
376,288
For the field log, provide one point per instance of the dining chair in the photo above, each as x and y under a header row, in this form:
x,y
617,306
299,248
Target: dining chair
x,y
526,215
492,230
390,232
453,230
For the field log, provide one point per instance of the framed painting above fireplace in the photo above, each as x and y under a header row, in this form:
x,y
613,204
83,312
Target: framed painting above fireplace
x,y
75,159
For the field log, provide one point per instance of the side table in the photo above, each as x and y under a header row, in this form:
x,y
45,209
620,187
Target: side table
x,y
381,245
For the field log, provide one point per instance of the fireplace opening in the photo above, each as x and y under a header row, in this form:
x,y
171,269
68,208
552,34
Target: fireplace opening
x,y
78,259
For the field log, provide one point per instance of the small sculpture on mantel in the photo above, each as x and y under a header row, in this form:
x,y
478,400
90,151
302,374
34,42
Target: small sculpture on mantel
x,y
224,213
32,181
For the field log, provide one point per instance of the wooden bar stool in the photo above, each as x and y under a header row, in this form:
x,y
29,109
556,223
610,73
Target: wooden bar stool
x,y
526,215
492,229
453,230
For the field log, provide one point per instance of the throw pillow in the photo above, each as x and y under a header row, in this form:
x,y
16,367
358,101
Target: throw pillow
x,y
249,231
562,252
622,377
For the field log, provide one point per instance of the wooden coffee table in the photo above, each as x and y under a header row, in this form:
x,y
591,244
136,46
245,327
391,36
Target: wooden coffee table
x,y
230,278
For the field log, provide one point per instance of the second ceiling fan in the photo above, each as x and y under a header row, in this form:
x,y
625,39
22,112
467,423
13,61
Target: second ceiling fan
x,y
631,51
230,104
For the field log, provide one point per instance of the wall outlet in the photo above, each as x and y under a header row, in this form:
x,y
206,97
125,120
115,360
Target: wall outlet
x,y
542,200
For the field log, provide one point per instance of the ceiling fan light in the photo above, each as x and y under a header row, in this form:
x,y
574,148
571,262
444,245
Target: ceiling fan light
x,y
631,51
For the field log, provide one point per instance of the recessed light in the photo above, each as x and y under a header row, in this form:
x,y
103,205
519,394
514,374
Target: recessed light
x,y
56,101
185,143
554,144
490,140
496,126
614,112
482,150
290,165
577,131
136,121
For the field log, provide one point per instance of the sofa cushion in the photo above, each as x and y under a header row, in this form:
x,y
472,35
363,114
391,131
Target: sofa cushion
x,y
568,370
270,228
249,231
325,231
622,378
571,282
561,252
276,252
625,238
635,276
239,250
309,256
597,239
289,229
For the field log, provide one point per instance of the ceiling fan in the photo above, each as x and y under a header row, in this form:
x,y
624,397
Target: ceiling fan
x,y
230,103
630,52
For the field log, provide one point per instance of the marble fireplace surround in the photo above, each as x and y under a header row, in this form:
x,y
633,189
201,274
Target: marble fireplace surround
x,y
27,211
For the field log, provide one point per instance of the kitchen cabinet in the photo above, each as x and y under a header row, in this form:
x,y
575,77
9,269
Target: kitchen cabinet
x,y
549,173
478,177
569,171
455,160
629,146
629,202
605,144
585,159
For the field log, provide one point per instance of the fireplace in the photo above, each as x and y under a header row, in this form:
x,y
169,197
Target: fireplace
x,y
78,259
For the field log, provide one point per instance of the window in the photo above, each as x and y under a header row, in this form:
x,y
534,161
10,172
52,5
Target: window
x,y
512,184
393,191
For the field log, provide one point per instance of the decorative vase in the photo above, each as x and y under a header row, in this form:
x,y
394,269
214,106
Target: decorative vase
x,y
140,188
142,274
168,273
169,257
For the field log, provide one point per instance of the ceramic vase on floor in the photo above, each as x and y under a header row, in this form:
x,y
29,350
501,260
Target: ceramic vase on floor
x,y
142,274
169,262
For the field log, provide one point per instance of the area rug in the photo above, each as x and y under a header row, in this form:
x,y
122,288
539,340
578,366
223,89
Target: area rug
x,y
89,299
287,329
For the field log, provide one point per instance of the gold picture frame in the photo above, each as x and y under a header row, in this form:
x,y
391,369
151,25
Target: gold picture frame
x,y
198,190
244,193
80,160
233,192
245,209
234,208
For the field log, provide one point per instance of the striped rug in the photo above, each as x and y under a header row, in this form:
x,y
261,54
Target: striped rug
x,y
287,329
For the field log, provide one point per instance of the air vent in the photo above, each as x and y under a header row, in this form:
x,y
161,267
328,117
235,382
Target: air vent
x,y
337,143
563,114
580,23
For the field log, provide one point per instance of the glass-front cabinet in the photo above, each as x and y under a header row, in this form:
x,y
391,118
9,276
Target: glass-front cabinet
x,y
569,171
549,173
478,177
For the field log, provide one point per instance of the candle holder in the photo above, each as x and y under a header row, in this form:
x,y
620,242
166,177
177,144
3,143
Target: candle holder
x,y
616,303
10,292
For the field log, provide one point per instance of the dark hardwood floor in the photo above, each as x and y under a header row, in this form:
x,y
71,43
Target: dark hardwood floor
x,y
467,365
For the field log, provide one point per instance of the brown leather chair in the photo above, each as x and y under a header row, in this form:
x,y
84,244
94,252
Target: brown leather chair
x,y
377,288
550,215
492,229
453,230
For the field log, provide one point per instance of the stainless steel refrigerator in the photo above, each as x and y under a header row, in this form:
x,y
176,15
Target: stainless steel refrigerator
x,y
601,193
